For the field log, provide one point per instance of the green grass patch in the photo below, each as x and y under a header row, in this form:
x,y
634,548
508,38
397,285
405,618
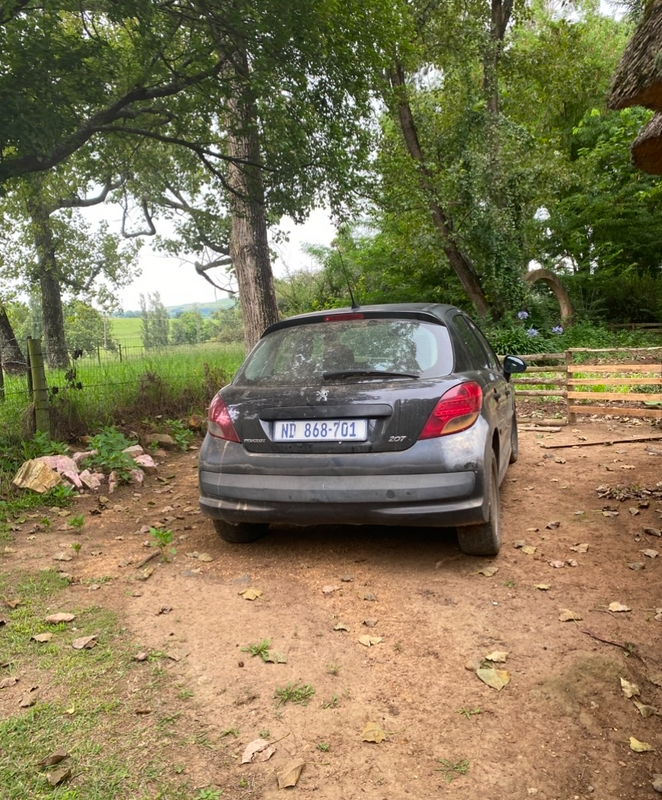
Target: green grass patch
x,y
83,703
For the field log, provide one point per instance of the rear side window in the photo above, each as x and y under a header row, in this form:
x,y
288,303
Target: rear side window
x,y
303,353
478,356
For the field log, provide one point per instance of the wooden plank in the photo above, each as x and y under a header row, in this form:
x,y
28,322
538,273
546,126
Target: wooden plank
x,y
651,438
560,368
540,381
541,392
653,413
654,368
612,349
652,381
625,397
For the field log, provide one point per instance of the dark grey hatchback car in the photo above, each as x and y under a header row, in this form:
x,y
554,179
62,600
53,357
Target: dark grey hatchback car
x,y
390,414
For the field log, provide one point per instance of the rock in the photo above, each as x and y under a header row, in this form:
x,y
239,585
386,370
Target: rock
x,y
197,422
146,464
36,475
657,782
162,440
89,481
60,464
82,455
137,477
112,482
134,450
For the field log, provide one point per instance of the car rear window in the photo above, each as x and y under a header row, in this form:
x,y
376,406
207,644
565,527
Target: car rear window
x,y
304,353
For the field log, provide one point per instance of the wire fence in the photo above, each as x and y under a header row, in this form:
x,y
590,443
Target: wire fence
x,y
103,385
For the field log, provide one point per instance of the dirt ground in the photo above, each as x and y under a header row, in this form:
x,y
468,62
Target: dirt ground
x,y
560,728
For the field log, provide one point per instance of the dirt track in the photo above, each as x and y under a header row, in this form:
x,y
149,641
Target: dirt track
x,y
559,729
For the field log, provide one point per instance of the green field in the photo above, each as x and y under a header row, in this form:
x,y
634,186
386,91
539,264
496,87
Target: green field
x,y
126,327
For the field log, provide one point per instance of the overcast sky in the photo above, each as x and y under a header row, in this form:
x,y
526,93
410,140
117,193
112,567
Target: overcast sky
x,y
178,282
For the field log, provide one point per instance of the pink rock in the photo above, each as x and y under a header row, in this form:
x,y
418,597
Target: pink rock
x,y
146,463
73,477
112,482
137,477
134,450
89,480
82,456
60,464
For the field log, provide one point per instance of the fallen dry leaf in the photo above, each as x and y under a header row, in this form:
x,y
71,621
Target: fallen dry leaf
x,y
59,776
251,594
7,683
495,678
567,615
54,758
29,699
340,627
618,607
610,513
42,637
528,549
633,511
373,733
60,617
13,602
329,589
258,750
655,678
273,657
653,531
553,525
640,747
290,773
572,563
544,587
497,656
84,642
629,689
580,548
644,710
488,572
650,553
557,564
62,556
369,641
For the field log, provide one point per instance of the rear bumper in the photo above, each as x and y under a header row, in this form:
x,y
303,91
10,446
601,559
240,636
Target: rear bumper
x,y
437,499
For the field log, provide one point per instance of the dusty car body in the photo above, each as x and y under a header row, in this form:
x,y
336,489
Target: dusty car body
x,y
390,414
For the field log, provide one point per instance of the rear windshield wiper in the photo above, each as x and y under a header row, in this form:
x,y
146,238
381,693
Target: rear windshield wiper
x,y
367,373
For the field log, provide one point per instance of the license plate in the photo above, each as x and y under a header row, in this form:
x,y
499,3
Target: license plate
x,y
315,430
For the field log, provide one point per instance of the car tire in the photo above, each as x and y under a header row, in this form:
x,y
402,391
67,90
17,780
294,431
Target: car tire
x,y
485,539
242,533
514,442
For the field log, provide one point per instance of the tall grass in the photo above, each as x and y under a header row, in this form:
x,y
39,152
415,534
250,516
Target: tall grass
x,y
131,390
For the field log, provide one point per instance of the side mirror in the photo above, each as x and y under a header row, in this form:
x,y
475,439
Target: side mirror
x,y
513,364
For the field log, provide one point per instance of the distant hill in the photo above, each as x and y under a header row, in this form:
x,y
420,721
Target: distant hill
x,y
206,309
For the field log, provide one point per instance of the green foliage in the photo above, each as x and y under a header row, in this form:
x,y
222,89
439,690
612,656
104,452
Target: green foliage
x,y
260,649
77,522
109,445
162,538
179,432
155,321
294,693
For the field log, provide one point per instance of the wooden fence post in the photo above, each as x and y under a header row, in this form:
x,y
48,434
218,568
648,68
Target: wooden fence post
x,y
572,416
2,381
39,387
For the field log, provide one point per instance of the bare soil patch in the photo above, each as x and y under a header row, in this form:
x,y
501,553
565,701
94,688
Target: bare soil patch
x,y
561,728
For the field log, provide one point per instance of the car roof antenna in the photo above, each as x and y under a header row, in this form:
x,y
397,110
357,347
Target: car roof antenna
x,y
349,285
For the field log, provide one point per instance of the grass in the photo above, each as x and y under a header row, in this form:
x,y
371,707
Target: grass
x,y
258,649
294,693
83,702
452,769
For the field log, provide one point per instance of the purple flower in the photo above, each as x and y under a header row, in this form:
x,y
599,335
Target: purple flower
x,y
531,332
522,315
557,329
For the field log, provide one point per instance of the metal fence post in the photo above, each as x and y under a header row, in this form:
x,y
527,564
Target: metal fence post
x,y
572,416
39,387
2,380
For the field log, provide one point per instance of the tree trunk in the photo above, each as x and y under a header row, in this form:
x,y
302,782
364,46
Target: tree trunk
x,y
47,275
12,359
459,262
249,245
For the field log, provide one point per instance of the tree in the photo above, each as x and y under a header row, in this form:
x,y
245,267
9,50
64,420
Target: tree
x,y
155,321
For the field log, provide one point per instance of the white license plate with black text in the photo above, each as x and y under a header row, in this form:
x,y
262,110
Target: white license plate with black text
x,y
315,430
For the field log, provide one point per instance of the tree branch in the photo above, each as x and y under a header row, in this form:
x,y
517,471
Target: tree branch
x,y
78,202
39,162
150,231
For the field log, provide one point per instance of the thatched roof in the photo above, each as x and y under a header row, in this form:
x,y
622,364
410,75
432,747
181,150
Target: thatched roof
x,y
647,147
638,78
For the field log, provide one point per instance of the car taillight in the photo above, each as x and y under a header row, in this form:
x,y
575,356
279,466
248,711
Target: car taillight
x,y
457,410
220,424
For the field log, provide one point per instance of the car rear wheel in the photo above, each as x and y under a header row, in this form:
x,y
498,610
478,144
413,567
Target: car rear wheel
x,y
514,442
485,539
242,533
